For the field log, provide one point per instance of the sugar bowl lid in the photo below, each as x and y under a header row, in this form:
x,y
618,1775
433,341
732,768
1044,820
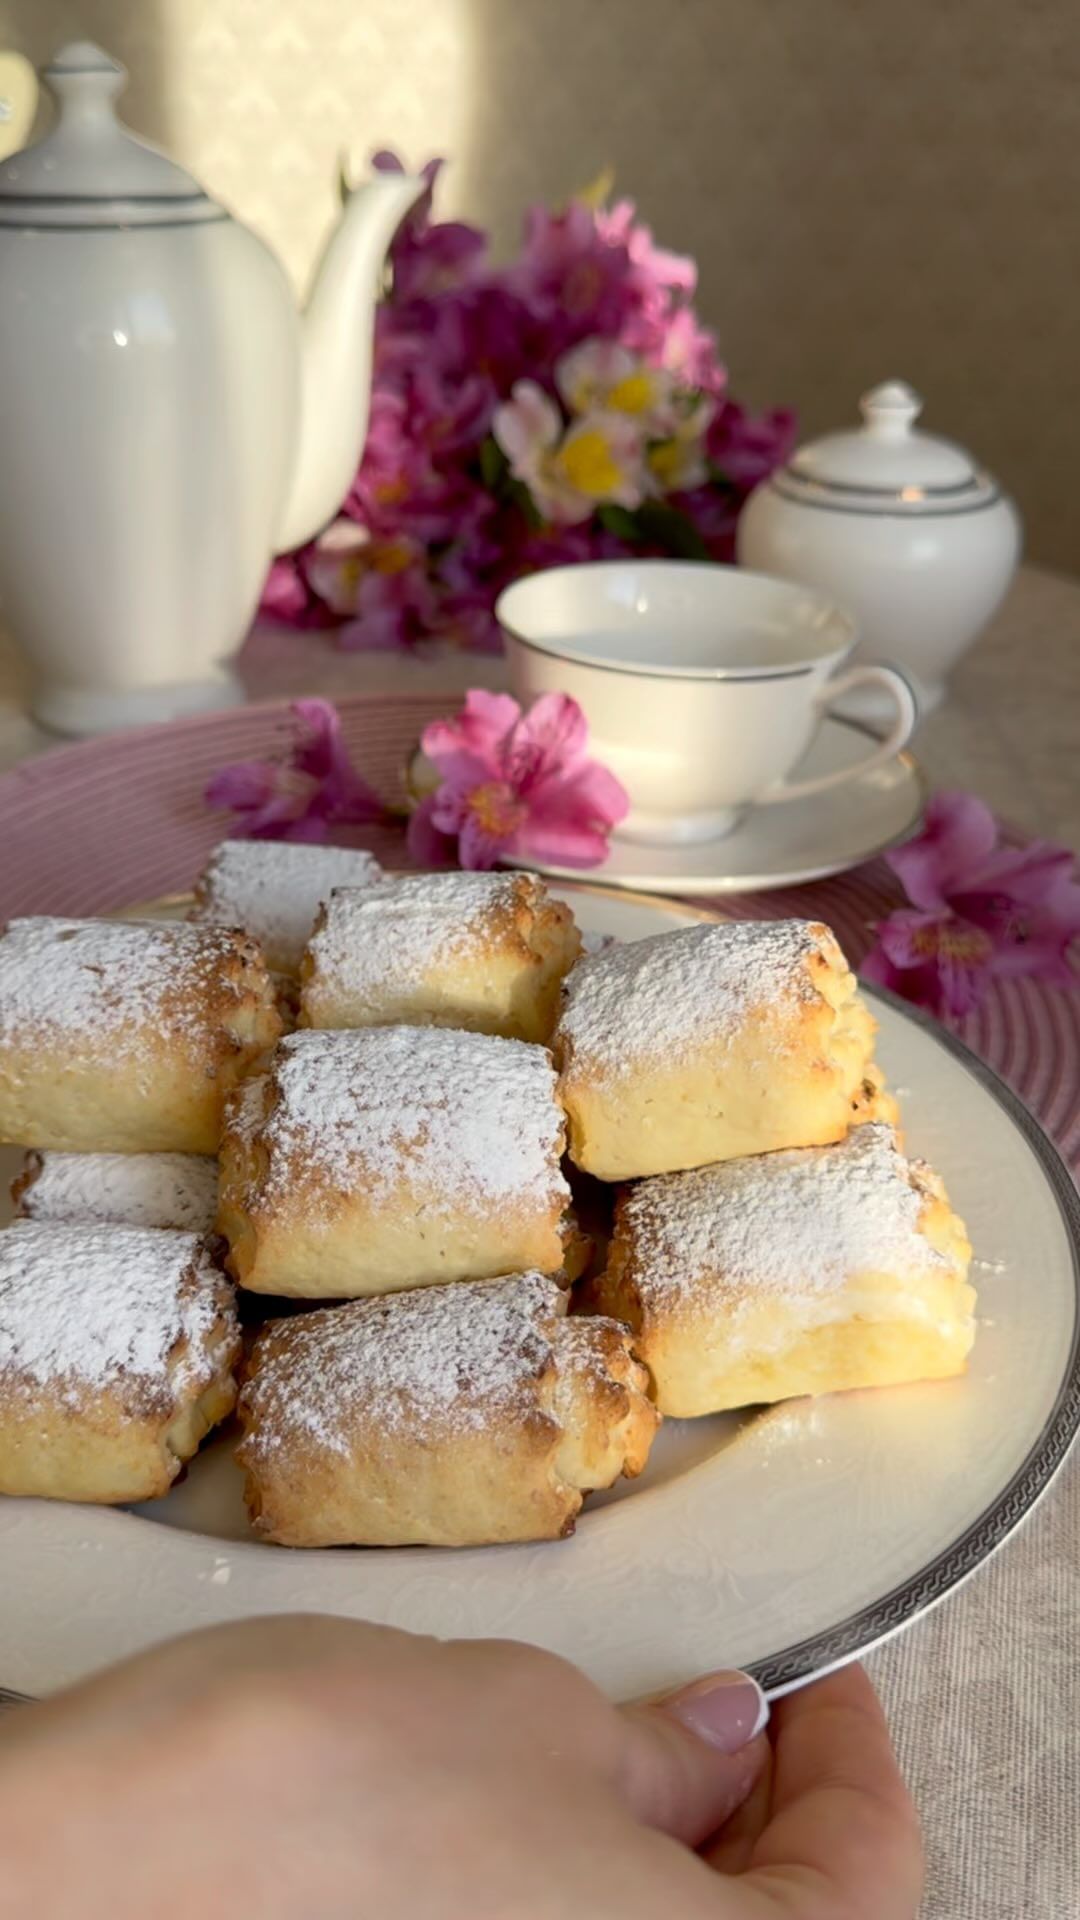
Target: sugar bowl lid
x,y
887,465
89,170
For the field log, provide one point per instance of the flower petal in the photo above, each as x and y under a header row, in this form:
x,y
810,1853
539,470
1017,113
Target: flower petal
x,y
563,843
959,832
585,373
478,850
1030,873
245,783
948,962
526,424
427,845
556,728
317,732
589,791
468,749
381,631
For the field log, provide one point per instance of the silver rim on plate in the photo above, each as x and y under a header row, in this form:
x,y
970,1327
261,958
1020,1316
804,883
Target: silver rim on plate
x,y
1017,1499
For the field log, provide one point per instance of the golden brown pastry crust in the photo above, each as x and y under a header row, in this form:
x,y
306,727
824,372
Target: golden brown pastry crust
x,y
482,951
117,1355
126,1037
370,1161
460,1416
799,1272
712,1043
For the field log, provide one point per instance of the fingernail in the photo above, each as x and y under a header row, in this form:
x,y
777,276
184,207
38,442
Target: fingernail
x,y
726,1710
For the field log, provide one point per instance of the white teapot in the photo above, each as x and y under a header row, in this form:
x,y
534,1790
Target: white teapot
x,y
897,526
168,422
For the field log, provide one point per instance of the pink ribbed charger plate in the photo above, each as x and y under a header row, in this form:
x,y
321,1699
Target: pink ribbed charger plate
x,y
90,828
878,1505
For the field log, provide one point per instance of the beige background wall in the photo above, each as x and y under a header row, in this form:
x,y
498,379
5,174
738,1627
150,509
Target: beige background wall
x,y
870,189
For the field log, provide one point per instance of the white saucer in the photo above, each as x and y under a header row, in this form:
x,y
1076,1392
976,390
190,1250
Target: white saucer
x,y
783,846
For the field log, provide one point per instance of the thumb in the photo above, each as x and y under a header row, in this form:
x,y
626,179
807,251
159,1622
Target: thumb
x,y
688,1759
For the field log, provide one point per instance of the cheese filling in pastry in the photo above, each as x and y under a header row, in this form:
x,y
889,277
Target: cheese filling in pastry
x,y
392,1157
273,889
117,1351
455,1416
791,1273
483,951
123,1037
133,1189
710,1043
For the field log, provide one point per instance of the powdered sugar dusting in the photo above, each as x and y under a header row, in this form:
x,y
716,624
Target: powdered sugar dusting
x,y
460,1115
661,997
112,987
83,1309
274,889
176,1190
437,1361
798,1222
390,935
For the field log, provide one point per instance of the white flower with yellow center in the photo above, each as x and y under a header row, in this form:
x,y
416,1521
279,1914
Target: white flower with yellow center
x,y
345,554
599,375
600,457
679,462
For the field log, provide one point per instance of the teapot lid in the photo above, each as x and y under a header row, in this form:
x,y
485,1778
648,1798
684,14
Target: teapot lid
x,y
89,171
886,466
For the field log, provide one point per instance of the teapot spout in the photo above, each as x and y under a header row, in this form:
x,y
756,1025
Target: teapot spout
x,y
336,345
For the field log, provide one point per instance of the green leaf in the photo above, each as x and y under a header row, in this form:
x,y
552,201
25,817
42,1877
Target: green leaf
x,y
619,521
718,477
493,464
522,498
670,529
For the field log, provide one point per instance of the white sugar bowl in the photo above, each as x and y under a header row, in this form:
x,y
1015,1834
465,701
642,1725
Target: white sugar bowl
x,y
899,527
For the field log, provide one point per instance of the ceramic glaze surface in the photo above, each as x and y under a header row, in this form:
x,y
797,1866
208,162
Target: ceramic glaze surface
x,y
169,419
136,416
703,685
901,528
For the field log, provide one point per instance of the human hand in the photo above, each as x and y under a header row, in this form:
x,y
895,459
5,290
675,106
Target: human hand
x,y
319,1769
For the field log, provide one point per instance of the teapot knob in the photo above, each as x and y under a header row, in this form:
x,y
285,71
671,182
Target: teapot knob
x,y
891,410
85,79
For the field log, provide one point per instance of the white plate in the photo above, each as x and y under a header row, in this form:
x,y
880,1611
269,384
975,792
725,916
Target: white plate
x,y
783,846
785,1541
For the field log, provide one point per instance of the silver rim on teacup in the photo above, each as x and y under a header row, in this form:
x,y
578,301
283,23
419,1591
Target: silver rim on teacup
x,y
704,570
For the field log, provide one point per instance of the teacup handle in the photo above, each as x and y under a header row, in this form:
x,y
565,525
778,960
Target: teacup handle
x,y
899,734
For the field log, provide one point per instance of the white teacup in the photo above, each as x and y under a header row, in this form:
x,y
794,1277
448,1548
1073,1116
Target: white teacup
x,y
703,685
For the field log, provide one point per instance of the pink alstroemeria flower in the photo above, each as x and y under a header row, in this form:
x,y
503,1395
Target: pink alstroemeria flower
x,y
979,911
302,795
515,784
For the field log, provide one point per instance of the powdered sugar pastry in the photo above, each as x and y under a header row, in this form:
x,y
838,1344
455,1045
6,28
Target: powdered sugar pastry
x,y
392,933
454,1113
661,996
274,889
84,1309
110,985
797,1222
176,1190
439,1360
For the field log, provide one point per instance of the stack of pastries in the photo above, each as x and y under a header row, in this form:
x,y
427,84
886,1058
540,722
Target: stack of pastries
x,y
345,1098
